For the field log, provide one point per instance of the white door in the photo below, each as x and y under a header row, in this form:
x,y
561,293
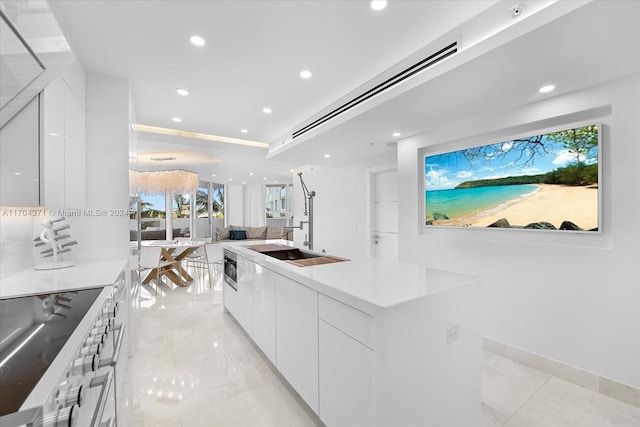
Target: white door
x,y
385,215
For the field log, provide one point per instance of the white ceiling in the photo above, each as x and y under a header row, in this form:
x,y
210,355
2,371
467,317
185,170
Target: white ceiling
x,y
591,45
255,50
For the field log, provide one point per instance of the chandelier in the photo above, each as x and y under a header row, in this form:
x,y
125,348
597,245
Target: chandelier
x,y
165,181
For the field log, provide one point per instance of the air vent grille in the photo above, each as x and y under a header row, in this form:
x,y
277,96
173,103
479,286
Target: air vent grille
x,y
390,82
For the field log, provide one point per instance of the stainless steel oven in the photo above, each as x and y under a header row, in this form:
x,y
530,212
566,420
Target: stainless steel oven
x,y
59,357
231,269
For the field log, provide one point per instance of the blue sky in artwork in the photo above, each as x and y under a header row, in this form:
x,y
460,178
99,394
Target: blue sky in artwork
x,y
447,170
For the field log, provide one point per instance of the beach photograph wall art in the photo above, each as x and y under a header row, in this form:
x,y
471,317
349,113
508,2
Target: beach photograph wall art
x,y
540,182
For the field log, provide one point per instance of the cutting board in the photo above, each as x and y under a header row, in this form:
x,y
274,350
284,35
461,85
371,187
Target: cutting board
x,y
308,262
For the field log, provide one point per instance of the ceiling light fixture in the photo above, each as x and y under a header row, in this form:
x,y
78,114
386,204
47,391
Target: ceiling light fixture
x,y
306,74
244,130
547,88
326,156
378,4
396,134
267,110
176,119
213,174
160,182
196,135
250,173
197,40
182,92
16,173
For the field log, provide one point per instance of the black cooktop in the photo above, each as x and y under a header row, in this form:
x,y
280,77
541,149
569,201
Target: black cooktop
x,y
33,330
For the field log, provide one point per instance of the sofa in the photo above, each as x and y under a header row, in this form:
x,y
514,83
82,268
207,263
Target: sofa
x,y
266,232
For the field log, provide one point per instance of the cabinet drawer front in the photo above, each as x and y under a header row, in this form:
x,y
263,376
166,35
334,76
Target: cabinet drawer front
x,y
352,322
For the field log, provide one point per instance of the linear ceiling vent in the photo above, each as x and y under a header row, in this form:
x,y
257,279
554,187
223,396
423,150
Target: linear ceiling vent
x,y
392,81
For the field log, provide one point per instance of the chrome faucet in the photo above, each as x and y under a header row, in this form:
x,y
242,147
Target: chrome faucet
x,y
308,203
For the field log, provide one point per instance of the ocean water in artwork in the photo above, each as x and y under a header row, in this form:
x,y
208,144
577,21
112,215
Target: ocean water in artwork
x,y
463,202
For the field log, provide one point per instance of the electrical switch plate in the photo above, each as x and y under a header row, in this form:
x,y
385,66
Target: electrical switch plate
x,y
453,333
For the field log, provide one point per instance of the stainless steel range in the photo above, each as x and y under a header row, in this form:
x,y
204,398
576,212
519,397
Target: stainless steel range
x,y
59,356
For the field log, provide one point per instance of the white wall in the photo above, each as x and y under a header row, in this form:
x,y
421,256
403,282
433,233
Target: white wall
x,y
570,297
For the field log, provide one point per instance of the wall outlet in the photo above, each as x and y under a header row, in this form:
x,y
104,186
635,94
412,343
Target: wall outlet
x,y
453,333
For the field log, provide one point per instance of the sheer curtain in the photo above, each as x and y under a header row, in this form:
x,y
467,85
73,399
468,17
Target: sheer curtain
x,y
254,205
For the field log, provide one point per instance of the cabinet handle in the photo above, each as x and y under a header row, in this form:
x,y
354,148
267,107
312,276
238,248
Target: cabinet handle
x,y
103,381
113,360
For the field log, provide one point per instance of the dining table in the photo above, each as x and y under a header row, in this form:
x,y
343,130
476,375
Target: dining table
x,y
173,252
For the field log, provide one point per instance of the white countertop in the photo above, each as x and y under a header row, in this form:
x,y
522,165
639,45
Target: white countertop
x,y
81,276
369,285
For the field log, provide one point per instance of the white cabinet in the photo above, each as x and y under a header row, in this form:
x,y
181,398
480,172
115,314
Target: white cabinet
x,y
230,299
346,366
245,281
346,379
297,337
63,147
75,153
19,158
264,312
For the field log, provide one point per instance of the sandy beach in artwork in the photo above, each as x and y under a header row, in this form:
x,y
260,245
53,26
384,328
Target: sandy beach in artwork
x,y
551,203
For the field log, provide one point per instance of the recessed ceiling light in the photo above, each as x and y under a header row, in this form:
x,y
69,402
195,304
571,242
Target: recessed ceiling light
x,y
275,182
16,173
378,4
53,134
396,134
244,130
213,174
243,183
267,110
305,74
176,119
251,173
547,88
264,177
197,40
230,179
182,92
326,156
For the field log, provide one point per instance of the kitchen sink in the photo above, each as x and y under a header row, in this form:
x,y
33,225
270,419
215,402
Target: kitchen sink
x,y
294,256
291,254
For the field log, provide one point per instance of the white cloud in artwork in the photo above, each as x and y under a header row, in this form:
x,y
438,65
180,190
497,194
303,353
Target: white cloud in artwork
x,y
437,180
564,157
464,174
506,146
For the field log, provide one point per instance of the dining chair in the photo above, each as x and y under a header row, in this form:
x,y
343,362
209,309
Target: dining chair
x,y
151,258
205,257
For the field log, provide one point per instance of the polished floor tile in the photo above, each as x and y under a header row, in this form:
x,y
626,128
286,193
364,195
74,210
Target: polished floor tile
x,y
193,366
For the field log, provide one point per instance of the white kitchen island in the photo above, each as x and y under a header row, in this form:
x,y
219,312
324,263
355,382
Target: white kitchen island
x,y
366,343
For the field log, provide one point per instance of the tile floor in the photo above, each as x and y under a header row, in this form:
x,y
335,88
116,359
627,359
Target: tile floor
x,y
192,366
